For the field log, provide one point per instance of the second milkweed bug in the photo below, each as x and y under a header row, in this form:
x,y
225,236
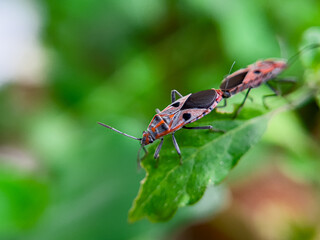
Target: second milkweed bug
x,y
256,74
179,113
251,77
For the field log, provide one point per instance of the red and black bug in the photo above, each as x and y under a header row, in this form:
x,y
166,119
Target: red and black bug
x,y
256,74
179,113
251,77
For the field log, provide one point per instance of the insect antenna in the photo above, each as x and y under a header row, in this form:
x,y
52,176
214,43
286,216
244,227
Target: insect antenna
x,y
308,47
229,74
127,135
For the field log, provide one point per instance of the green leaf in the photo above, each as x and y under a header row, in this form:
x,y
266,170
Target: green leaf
x,y
23,199
311,57
311,60
318,99
207,158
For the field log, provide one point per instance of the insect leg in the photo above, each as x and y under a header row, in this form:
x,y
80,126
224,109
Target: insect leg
x,y
177,147
264,99
284,80
145,150
276,93
139,159
200,127
156,153
250,98
205,127
241,105
224,104
157,110
173,95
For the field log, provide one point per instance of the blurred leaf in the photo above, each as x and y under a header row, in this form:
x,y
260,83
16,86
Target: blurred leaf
x,y
311,57
22,201
207,158
301,230
301,151
233,25
318,98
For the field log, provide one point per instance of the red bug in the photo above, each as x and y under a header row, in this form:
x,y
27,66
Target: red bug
x,y
179,113
256,74
251,77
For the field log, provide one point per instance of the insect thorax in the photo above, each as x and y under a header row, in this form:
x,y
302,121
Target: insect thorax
x,y
158,126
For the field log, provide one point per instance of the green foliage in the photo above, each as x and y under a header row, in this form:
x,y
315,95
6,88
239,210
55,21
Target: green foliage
x,y
22,199
115,61
302,231
311,59
207,158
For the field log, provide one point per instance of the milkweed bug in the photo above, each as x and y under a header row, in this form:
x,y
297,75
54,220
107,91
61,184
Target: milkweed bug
x,y
251,77
256,74
179,113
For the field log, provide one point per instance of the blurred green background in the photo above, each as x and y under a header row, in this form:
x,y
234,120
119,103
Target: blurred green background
x,y
64,65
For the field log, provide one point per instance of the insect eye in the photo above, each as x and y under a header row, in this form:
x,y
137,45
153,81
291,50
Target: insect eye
x,y
226,94
176,104
257,72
